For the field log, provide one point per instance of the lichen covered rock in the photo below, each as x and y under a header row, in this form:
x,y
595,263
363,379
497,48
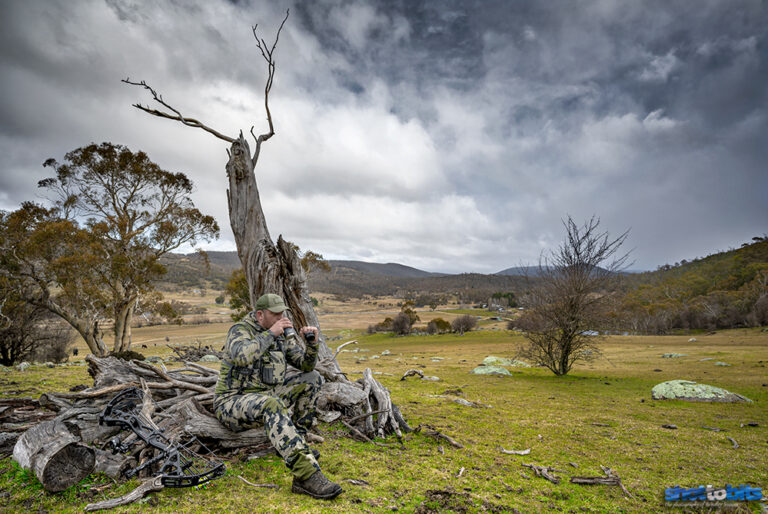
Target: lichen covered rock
x,y
501,361
694,392
490,370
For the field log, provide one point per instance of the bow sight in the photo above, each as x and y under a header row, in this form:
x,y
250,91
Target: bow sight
x,y
177,463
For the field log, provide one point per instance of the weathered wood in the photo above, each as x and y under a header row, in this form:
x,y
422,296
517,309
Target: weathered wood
x,y
197,421
54,455
112,465
610,478
544,472
146,487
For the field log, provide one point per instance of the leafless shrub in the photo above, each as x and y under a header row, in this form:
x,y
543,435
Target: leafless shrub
x,y
567,301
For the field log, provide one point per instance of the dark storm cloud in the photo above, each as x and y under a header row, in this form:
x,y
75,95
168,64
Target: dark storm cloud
x,y
450,135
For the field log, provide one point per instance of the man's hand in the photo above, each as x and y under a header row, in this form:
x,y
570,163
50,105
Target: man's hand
x,y
311,330
279,326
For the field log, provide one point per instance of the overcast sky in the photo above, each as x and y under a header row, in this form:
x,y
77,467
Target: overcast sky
x,y
451,136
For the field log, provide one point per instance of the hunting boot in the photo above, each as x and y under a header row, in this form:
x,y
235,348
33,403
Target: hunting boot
x,y
317,486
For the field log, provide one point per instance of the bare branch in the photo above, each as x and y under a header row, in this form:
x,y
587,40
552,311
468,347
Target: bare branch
x,y
190,122
266,53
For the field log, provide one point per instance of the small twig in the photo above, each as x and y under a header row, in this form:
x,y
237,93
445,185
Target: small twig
x,y
361,416
364,437
544,472
610,478
342,346
355,481
732,440
461,472
146,487
262,486
439,435
515,452
714,429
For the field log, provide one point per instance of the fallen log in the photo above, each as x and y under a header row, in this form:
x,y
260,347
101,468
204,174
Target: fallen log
x,y
55,456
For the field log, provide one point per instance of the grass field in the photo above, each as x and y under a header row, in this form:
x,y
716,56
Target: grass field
x,y
600,414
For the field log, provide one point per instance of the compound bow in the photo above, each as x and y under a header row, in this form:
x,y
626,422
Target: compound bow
x,y
176,463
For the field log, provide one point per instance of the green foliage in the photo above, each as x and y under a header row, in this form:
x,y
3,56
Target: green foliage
x,y
220,299
239,295
438,326
509,297
96,252
723,290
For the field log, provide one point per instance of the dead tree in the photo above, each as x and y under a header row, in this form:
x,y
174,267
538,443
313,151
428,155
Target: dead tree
x,y
276,268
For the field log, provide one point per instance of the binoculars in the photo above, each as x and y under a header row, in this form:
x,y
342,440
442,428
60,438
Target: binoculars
x,y
289,332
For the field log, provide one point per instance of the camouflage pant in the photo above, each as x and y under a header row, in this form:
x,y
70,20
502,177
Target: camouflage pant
x,y
270,409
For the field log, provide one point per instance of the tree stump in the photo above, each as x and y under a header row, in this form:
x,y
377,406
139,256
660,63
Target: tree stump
x,y
54,455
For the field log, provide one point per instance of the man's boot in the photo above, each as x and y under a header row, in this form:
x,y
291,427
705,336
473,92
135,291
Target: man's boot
x,y
317,486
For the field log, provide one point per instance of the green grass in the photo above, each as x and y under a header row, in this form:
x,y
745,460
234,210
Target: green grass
x,y
553,416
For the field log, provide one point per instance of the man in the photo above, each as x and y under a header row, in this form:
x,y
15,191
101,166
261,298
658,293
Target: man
x,y
253,389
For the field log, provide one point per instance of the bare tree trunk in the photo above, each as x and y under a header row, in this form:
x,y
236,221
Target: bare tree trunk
x,y
269,268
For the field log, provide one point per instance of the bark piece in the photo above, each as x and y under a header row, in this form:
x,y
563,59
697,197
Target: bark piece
x,y
544,472
610,478
146,487
54,455
112,465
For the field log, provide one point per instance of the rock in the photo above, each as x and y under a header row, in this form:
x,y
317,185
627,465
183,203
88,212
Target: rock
x,y
431,379
49,365
386,352
490,370
670,427
707,359
673,355
157,360
375,356
692,340
694,392
23,366
208,358
501,361
718,363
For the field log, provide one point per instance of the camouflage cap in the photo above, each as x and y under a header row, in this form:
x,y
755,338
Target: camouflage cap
x,y
271,302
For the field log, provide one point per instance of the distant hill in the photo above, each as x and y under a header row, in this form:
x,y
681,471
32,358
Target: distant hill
x,y
723,290
520,271
346,278
390,269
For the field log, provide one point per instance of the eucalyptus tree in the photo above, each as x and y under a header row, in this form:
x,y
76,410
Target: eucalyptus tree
x,y
95,254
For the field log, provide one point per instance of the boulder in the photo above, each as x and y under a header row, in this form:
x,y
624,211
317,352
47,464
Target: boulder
x,y
23,366
386,352
694,392
692,340
209,358
673,355
490,370
501,361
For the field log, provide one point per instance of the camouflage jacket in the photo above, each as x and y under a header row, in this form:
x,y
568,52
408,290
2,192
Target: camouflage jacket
x,y
255,360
